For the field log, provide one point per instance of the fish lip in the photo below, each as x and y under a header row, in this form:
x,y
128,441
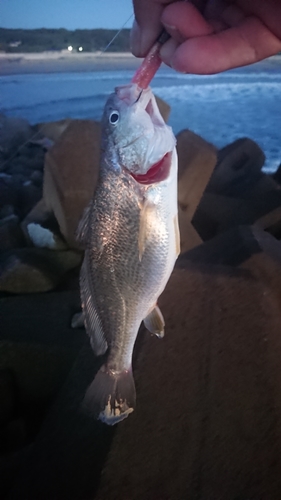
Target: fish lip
x,y
147,100
133,95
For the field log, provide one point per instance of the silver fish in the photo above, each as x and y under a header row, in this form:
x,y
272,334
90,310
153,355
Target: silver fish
x,y
130,233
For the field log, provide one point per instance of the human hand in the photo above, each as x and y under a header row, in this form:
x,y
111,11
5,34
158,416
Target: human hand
x,y
208,36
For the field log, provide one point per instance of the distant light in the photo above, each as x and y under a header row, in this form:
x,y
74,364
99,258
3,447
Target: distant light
x,y
80,49
70,48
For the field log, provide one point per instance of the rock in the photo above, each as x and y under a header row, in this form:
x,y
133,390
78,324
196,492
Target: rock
x,y
239,166
11,235
8,396
189,238
68,441
71,172
264,196
265,264
8,193
271,222
39,213
14,132
218,213
207,396
31,270
18,166
53,130
164,108
6,211
29,196
36,163
197,159
208,393
15,434
277,175
37,178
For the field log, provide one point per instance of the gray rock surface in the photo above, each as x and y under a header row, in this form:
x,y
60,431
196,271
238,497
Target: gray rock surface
x,y
30,270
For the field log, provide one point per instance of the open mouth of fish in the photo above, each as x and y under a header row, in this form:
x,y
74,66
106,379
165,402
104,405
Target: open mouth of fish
x,y
132,94
160,170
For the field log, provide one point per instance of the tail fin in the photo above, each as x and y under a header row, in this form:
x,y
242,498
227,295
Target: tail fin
x,y
111,396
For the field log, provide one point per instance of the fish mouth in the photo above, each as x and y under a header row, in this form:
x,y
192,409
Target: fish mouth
x,y
160,170
157,173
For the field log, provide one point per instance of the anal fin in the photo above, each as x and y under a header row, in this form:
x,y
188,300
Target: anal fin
x,y
81,232
155,323
91,317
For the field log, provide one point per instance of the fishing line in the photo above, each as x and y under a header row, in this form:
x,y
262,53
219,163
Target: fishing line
x,y
116,35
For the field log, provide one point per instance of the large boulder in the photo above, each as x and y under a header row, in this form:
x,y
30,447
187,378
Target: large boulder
x,y
197,160
208,418
239,166
219,212
53,130
189,238
164,108
271,222
71,172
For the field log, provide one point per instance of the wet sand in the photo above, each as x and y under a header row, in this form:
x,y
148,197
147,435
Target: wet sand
x,y
63,62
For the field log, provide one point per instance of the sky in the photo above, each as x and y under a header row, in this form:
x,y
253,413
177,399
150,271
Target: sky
x,y
70,14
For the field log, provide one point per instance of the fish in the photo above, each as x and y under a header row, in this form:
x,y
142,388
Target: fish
x,y
131,238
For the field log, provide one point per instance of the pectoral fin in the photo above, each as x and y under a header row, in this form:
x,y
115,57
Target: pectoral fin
x,y
177,235
146,207
155,323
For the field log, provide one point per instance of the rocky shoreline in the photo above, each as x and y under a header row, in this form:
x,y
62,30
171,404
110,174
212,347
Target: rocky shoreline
x,y
222,307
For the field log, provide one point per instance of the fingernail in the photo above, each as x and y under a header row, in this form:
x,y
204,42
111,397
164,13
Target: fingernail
x,y
135,39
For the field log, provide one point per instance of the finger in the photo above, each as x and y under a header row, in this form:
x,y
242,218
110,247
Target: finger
x,y
269,12
147,26
183,19
247,43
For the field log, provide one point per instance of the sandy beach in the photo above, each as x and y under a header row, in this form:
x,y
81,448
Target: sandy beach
x,y
64,61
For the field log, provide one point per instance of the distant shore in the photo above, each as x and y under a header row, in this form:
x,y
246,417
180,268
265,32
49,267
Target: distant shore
x,y
62,62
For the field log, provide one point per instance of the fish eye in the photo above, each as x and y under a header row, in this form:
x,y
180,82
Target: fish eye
x,y
114,117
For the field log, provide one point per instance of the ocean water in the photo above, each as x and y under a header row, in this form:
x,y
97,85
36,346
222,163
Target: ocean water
x,y
221,108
